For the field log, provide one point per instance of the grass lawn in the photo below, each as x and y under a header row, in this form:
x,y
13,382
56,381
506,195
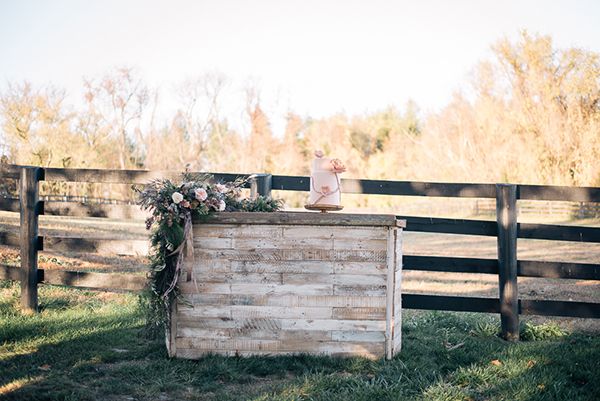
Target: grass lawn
x,y
89,346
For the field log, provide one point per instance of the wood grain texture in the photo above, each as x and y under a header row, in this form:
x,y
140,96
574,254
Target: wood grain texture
x,y
268,284
28,236
303,218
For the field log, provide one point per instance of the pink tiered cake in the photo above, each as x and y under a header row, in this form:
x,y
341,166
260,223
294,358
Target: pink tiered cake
x,y
325,187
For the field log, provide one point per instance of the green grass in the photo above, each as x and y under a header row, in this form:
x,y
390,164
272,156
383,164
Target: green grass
x,y
89,346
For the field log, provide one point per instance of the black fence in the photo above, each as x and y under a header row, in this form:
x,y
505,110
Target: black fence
x,y
506,229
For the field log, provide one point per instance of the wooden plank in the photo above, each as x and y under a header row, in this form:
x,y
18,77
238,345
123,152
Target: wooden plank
x,y
202,311
450,303
389,309
360,290
10,239
232,344
359,255
195,287
384,187
197,354
125,212
326,232
264,289
281,243
12,171
559,193
360,336
213,243
203,276
288,267
28,230
362,268
329,324
559,232
559,308
451,226
355,313
10,205
124,176
275,255
360,244
285,312
10,272
231,333
397,329
208,323
212,265
337,279
450,264
115,281
582,271
86,245
287,300
239,345
237,230
506,216
302,218
213,334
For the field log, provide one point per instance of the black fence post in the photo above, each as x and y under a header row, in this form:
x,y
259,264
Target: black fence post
x,y
29,202
261,184
506,217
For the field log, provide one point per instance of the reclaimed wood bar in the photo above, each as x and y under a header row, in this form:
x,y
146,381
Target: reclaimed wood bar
x,y
291,282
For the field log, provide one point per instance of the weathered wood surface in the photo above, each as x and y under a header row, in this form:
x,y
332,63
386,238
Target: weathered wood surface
x,y
8,272
87,245
274,285
107,281
125,212
28,238
506,215
306,219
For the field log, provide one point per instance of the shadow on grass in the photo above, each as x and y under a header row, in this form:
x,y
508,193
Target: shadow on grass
x,y
445,356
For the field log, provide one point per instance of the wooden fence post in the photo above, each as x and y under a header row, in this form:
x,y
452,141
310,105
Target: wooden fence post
x,y
261,184
29,196
506,217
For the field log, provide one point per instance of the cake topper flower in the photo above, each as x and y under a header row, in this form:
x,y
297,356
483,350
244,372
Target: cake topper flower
x,y
337,166
319,154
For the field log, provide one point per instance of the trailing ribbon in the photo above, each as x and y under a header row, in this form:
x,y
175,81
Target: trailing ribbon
x,y
188,256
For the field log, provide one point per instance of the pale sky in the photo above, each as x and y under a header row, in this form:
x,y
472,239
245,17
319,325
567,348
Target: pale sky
x,y
313,57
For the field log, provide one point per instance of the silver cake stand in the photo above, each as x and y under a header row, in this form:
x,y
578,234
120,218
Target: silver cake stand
x,y
324,208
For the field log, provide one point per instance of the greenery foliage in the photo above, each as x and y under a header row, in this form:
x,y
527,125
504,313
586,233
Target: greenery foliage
x,y
173,206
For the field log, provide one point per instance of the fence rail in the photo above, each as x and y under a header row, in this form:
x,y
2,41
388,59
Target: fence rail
x,y
505,228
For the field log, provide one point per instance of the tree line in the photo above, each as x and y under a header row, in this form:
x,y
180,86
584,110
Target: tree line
x,y
531,114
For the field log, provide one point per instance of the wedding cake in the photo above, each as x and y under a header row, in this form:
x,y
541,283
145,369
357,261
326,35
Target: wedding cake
x,y
325,189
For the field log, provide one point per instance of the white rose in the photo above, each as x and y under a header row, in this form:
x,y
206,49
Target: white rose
x,y
177,197
222,205
200,194
221,188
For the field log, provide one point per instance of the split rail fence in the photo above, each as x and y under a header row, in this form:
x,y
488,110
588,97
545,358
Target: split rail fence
x,y
506,229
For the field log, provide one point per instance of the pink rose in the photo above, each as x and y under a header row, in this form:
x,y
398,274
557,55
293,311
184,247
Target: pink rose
x,y
200,194
337,166
184,203
221,188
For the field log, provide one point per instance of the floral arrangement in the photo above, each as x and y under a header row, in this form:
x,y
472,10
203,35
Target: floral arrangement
x,y
173,206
